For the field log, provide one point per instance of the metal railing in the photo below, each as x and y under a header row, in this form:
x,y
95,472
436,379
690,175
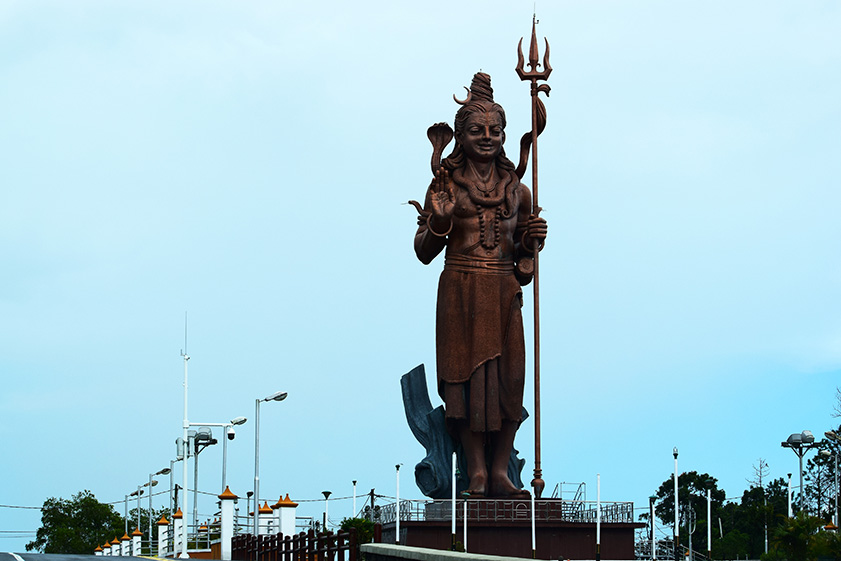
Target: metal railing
x,y
508,511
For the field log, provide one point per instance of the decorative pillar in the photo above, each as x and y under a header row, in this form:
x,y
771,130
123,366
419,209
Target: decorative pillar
x,y
106,549
286,516
97,551
178,522
228,501
116,547
136,537
163,535
125,544
265,519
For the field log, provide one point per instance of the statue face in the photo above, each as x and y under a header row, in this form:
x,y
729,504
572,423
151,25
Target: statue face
x,y
482,136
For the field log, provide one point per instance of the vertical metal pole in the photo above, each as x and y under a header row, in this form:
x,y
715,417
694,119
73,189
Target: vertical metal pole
x,y
171,468
256,464
453,513
150,514
598,517
533,533
354,499
709,526
397,509
653,533
224,456
185,426
800,453
464,525
195,487
138,507
677,507
126,516
789,495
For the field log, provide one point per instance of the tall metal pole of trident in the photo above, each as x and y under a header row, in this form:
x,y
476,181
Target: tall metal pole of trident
x,y
538,122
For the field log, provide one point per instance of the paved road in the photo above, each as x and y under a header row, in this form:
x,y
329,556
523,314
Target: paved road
x,y
53,557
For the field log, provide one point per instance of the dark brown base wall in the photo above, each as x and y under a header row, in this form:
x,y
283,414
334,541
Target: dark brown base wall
x,y
555,540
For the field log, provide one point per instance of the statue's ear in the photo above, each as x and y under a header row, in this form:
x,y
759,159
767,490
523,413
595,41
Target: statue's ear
x,y
503,137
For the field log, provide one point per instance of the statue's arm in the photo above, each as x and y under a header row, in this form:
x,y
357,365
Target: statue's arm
x,y
530,229
428,242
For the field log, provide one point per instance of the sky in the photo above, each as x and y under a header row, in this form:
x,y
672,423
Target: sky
x,y
249,163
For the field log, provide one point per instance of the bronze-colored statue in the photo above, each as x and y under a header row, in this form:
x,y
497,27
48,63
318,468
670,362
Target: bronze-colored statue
x,y
477,209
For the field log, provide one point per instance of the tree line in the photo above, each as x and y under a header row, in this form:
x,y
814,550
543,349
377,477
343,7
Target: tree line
x,y
759,520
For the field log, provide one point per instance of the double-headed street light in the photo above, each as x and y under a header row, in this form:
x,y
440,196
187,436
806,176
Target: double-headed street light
x,y
278,396
800,443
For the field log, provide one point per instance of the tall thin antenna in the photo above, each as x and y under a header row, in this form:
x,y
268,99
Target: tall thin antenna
x,y
184,351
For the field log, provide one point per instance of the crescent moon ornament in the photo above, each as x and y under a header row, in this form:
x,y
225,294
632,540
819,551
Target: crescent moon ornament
x,y
466,100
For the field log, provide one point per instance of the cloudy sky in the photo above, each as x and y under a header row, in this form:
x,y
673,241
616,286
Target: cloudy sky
x,y
249,162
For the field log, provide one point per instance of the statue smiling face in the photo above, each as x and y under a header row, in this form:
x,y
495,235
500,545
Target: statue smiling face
x,y
482,134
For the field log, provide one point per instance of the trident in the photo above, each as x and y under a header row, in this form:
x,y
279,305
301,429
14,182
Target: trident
x,y
538,123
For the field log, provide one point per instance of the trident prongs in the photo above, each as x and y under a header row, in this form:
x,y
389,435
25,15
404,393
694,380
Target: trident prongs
x,y
533,74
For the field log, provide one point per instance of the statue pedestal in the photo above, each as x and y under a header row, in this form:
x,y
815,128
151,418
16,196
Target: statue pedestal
x,y
563,529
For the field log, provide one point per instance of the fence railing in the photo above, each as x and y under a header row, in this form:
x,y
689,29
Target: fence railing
x,y
555,510
305,546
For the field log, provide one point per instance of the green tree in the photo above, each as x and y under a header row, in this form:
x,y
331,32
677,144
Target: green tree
x,y
144,521
692,493
76,525
364,528
819,481
796,537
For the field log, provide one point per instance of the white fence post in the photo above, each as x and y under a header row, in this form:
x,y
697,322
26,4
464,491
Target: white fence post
x,y
287,507
264,526
136,536
178,522
163,535
228,500
125,544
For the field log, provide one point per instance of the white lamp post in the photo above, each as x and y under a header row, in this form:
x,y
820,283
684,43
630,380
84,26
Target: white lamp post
x,y
184,441
789,495
230,434
326,506
677,524
278,396
151,484
800,443
397,508
354,499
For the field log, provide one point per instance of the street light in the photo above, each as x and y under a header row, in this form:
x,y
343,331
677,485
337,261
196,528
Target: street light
x,y
164,471
199,440
789,495
677,523
133,494
230,434
651,500
278,396
800,443
326,501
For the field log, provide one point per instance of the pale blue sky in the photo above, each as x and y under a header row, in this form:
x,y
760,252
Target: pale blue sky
x,y
248,162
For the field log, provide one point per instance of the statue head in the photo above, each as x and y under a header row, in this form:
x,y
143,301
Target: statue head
x,y
479,103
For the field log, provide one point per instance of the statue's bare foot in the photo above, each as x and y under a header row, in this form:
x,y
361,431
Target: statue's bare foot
x,y
502,487
477,488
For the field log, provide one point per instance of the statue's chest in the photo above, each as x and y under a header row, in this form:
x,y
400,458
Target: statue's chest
x,y
493,223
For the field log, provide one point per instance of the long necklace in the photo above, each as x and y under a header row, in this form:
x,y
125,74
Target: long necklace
x,y
488,234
